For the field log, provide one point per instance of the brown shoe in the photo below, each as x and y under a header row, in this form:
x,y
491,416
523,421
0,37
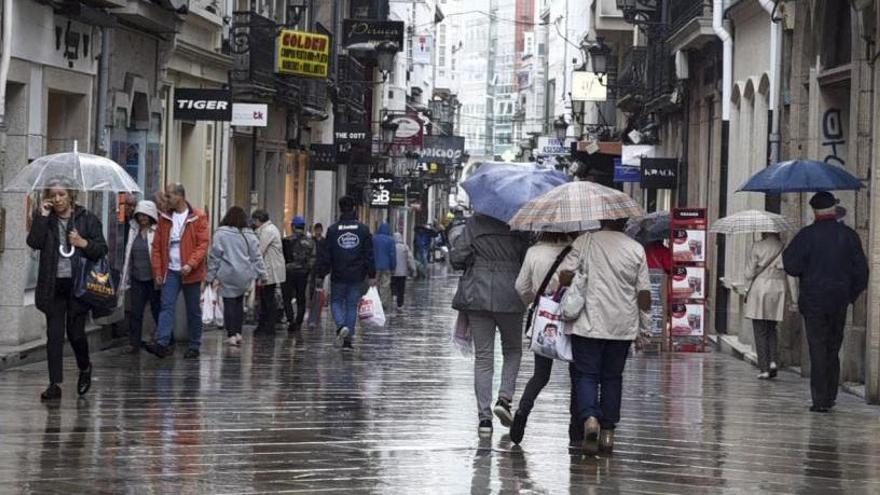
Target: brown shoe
x,y
590,445
606,441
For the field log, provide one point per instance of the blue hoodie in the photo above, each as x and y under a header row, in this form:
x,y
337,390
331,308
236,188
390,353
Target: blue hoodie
x,y
384,249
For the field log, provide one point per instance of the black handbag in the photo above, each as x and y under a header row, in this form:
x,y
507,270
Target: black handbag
x,y
97,285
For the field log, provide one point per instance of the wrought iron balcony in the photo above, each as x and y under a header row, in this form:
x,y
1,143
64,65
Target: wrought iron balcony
x,y
690,23
632,82
660,71
314,96
351,87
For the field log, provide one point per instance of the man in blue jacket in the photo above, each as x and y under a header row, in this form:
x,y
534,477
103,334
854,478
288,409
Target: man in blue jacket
x,y
385,250
347,256
828,259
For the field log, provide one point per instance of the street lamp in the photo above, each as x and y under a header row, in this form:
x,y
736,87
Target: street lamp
x,y
599,55
578,108
388,128
560,126
385,52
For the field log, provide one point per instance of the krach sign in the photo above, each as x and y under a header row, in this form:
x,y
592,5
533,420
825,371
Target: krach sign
x,y
303,54
202,104
659,173
443,150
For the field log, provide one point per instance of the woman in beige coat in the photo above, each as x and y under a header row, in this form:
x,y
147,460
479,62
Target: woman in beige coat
x,y
765,299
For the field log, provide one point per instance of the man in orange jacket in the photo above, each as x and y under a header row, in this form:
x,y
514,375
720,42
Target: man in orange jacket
x,y
180,247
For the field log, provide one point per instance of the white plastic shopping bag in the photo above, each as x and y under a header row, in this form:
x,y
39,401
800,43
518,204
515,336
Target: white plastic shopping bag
x,y
549,337
462,339
212,307
370,309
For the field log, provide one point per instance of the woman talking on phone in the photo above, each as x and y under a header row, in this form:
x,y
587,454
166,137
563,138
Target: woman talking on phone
x,y
64,233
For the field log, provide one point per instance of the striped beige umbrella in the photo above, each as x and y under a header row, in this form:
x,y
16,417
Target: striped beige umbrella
x,y
752,222
574,207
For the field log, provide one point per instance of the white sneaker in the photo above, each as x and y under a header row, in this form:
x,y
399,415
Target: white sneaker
x,y
238,338
232,341
763,375
341,334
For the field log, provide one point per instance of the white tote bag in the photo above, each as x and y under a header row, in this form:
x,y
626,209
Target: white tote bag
x,y
550,332
212,308
370,310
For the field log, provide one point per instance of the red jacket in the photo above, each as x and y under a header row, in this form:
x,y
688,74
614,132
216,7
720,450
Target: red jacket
x,y
659,257
194,244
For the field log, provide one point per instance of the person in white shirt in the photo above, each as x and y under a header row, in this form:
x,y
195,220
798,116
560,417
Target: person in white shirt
x,y
613,277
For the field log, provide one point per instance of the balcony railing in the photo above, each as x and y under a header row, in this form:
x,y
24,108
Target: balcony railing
x,y
351,76
631,79
660,70
314,95
683,11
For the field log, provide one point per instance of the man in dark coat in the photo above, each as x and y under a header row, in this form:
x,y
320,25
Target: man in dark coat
x,y
828,259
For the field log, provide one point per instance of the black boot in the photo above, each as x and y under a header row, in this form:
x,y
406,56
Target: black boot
x,y
518,428
85,381
53,392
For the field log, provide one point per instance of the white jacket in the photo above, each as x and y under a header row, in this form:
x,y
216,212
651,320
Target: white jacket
x,y
539,259
147,208
273,253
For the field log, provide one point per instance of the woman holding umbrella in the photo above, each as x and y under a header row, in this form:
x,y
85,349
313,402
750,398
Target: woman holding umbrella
x,y
64,233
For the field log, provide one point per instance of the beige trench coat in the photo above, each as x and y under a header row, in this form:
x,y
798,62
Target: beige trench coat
x,y
767,297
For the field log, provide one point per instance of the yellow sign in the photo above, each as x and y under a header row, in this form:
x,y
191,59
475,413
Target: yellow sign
x,y
302,54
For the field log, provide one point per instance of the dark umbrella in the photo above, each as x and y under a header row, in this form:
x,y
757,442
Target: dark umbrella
x,y
649,228
801,176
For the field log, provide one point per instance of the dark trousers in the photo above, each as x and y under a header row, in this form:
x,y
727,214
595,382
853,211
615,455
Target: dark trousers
x,y
598,378
765,343
141,294
825,337
295,287
233,314
540,378
398,289
65,315
268,309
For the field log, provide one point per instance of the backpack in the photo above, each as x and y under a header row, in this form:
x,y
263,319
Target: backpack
x,y
299,251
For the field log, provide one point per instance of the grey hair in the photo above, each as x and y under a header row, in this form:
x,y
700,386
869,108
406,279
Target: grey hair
x,y
177,188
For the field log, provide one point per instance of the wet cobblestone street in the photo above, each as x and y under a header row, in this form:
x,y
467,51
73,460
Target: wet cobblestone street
x,y
398,416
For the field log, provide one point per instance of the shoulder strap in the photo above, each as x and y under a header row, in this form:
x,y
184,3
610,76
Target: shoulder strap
x,y
763,269
550,273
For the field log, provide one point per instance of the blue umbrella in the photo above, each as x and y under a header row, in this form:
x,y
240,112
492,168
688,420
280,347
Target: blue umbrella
x,y
500,190
801,176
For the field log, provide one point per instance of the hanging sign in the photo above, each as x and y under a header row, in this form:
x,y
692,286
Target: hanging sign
x,y
551,146
323,157
300,53
250,114
409,130
398,196
358,134
355,31
202,104
659,173
443,150
380,186
586,86
626,173
423,49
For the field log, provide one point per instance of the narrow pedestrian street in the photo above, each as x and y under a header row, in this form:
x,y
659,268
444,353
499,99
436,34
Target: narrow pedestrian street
x,y
398,416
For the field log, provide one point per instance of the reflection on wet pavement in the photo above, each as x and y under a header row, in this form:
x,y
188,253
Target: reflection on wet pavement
x,y
398,416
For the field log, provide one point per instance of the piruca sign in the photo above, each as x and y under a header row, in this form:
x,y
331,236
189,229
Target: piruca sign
x,y
443,150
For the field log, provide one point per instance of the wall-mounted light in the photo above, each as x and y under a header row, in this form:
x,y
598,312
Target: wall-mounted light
x,y
385,53
560,126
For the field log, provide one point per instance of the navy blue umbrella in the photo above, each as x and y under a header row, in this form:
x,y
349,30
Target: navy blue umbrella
x,y
801,176
500,190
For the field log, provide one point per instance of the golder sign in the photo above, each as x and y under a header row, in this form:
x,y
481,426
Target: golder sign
x,y
302,54
443,150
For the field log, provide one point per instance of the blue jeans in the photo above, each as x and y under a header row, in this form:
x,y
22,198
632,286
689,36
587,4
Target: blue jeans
x,y
344,299
597,378
191,293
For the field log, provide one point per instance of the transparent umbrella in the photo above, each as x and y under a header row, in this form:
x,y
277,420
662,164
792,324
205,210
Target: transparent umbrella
x,y
76,171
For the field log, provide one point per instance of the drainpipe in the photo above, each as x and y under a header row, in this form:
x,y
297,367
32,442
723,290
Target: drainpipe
x,y
4,74
775,112
721,293
103,81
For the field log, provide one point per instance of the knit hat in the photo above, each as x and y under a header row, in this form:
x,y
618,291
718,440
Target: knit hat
x,y
298,222
823,200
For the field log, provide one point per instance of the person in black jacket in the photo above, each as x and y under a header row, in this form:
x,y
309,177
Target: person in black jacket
x,y
827,257
347,256
64,233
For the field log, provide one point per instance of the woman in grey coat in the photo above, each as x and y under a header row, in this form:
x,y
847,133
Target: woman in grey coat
x,y
234,262
491,256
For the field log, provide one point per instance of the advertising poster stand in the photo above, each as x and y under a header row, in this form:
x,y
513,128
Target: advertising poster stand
x,y
686,288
